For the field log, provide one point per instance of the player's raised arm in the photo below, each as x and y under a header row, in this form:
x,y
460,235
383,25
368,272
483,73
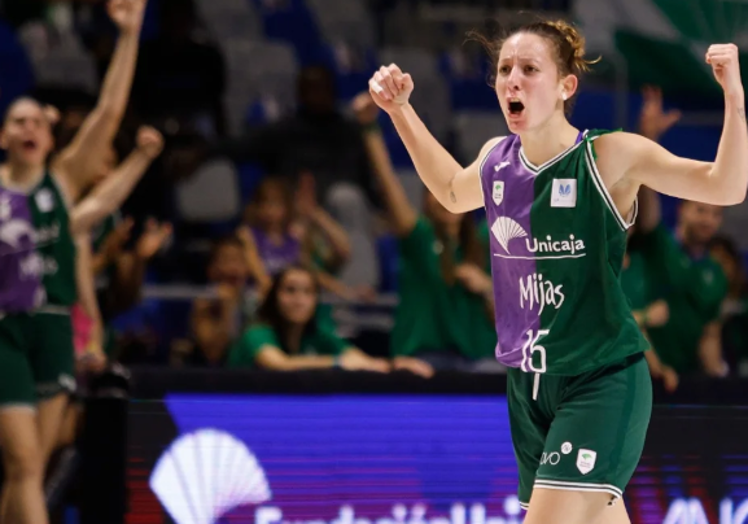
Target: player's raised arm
x,y
76,162
458,189
722,182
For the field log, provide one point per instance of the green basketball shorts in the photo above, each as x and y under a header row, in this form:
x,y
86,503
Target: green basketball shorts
x,y
36,356
581,433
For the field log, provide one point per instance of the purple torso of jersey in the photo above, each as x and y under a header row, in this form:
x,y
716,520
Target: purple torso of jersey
x,y
276,256
20,265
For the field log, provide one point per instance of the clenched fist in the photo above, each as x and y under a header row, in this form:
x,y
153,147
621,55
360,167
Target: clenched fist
x,y
725,62
390,88
150,141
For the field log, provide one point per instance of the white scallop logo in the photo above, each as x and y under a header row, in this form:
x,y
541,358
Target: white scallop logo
x,y
205,474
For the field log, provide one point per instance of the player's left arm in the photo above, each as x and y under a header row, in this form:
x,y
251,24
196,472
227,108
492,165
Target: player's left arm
x,y
722,182
710,351
75,162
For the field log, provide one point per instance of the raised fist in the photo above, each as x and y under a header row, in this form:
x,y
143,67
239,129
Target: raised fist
x,y
390,88
150,141
725,62
127,14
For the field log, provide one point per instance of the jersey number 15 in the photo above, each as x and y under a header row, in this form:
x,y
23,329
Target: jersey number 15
x,y
529,360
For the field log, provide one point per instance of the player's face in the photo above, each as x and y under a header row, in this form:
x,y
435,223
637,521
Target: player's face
x,y
527,82
297,297
228,266
701,221
27,136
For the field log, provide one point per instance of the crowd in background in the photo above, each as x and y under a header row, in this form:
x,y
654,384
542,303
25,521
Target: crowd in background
x,y
320,203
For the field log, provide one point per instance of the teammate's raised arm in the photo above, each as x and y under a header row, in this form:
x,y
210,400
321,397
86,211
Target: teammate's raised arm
x,y
458,189
76,162
722,182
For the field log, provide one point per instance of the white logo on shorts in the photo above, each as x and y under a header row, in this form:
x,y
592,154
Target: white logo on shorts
x,y
586,460
566,448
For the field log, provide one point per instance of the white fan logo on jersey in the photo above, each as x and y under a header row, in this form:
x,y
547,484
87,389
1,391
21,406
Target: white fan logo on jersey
x,y
205,474
505,229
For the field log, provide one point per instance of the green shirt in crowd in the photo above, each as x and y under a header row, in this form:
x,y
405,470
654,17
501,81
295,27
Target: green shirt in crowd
x,y
243,353
635,281
431,314
694,290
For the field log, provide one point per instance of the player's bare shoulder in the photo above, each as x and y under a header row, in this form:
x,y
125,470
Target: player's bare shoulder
x,y
616,153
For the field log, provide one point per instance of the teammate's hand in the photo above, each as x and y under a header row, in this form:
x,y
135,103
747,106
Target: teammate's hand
x,y
127,14
653,120
365,109
150,141
306,196
414,365
353,360
725,62
473,278
152,239
658,313
669,378
52,114
115,241
390,88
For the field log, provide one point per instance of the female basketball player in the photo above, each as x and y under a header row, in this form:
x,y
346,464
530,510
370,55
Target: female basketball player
x,y
559,202
38,269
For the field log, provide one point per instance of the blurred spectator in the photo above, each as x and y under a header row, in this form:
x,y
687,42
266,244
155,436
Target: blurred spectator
x,y
681,269
445,290
289,336
648,310
181,76
735,306
648,307
281,232
317,139
217,322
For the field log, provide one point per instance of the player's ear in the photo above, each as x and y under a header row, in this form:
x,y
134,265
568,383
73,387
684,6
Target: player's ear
x,y
568,86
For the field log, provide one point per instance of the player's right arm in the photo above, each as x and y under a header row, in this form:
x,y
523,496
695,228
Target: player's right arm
x,y
458,189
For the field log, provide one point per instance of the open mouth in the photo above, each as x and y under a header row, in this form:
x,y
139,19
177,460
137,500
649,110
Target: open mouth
x,y
29,145
516,107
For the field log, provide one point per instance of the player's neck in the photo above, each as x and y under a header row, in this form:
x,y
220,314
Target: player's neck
x,y
21,176
553,138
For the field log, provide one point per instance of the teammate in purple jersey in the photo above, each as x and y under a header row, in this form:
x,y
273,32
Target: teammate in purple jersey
x,y
37,227
559,201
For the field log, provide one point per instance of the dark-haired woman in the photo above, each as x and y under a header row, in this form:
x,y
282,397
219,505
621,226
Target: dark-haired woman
x,y
288,336
559,202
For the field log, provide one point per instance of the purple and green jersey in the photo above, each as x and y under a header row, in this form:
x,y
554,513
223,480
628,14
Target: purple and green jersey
x,y
37,253
557,245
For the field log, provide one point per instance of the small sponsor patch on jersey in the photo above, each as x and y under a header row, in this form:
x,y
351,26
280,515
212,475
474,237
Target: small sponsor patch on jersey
x,y
45,200
564,192
498,192
586,460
